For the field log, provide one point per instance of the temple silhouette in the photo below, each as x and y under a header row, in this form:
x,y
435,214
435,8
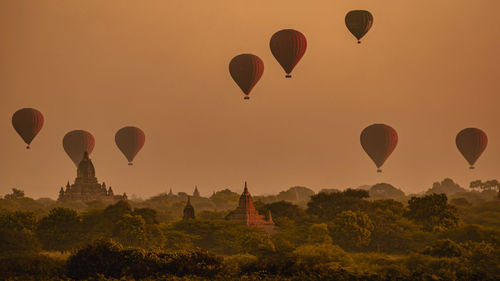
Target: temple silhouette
x,y
86,187
248,215
188,210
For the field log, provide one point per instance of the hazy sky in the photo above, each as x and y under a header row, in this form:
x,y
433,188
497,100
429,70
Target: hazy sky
x,y
427,68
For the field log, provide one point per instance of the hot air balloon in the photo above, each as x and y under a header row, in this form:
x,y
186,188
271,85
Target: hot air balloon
x,y
246,70
27,122
76,143
471,142
359,23
130,140
288,46
379,141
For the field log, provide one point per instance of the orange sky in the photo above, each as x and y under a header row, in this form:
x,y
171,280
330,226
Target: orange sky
x,y
427,68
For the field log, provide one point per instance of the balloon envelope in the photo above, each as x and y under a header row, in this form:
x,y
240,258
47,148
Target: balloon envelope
x,y
246,70
379,141
471,142
76,143
288,47
27,122
130,140
359,23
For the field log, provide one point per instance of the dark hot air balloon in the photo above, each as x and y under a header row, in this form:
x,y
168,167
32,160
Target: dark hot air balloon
x,y
359,23
288,46
471,142
246,70
76,143
130,140
379,141
27,122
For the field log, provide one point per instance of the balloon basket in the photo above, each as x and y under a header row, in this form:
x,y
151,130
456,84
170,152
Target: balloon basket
x,y
288,76
130,164
28,147
359,42
472,167
379,171
246,98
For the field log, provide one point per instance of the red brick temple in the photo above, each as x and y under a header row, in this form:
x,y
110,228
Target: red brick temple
x,y
247,214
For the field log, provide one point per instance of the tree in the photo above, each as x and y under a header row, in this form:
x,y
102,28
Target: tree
x,y
390,228
16,194
475,184
444,248
319,234
256,243
296,194
225,199
446,186
322,253
351,230
16,233
60,230
385,190
281,209
131,231
329,205
149,215
491,185
433,212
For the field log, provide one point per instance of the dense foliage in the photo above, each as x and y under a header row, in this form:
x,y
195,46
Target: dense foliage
x,y
335,235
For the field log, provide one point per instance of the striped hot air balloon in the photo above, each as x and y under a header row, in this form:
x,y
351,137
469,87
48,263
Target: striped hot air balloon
x,y
359,23
471,142
76,143
246,70
27,122
130,140
288,47
379,141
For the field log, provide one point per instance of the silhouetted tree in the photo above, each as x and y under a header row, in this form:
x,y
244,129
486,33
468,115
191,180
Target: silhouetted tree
x,y
131,231
281,209
60,230
433,212
16,194
351,230
16,233
149,215
329,205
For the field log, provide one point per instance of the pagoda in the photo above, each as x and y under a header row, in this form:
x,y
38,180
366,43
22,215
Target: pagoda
x,y
86,187
196,193
188,211
248,215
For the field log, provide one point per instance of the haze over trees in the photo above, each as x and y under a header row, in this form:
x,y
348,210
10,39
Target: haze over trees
x,y
347,234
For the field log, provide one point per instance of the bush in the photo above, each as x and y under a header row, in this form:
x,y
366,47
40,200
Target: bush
x,y
34,266
322,253
112,260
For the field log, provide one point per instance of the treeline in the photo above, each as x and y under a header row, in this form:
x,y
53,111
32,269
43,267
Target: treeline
x,y
333,236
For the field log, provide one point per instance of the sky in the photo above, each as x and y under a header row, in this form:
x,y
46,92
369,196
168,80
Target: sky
x,y
427,68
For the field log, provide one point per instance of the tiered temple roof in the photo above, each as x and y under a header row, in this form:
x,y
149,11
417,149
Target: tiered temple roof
x,y
86,186
247,214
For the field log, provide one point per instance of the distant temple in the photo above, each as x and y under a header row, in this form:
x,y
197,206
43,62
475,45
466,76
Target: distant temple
x,y
195,192
86,187
247,214
188,211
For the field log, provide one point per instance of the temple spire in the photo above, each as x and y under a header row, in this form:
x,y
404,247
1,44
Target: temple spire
x,y
246,188
188,210
269,216
196,193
